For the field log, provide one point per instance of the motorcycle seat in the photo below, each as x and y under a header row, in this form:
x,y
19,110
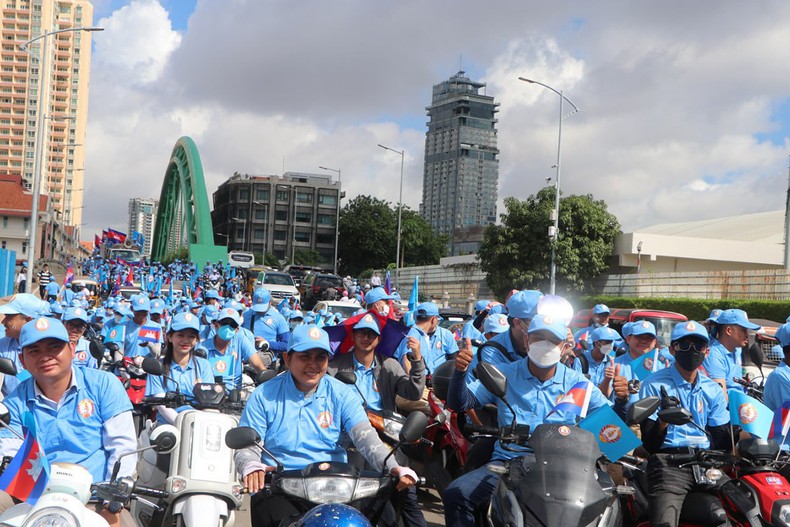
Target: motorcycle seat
x,y
702,508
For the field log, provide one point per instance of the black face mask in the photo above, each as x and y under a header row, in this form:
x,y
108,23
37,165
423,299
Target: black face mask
x,y
689,360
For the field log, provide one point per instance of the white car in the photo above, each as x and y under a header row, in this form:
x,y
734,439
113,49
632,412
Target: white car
x,y
280,284
346,309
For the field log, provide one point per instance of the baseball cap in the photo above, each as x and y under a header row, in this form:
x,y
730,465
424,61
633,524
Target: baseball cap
x,y
376,294
783,335
184,321
548,323
604,333
427,309
368,322
75,313
261,299
157,306
736,317
480,305
689,329
40,329
497,310
600,309
495,324
24,304
714,315
213,293
643,327
307,337
141,303
55,308
626,330
210,312
295,314
523,304
230,313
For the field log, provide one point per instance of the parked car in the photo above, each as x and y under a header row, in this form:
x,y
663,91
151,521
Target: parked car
x,y
280,284
346,309
765,339
298,272
314,286
453,320
664,321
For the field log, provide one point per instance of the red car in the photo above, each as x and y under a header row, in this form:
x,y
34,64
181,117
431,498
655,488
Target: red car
x,y
664,321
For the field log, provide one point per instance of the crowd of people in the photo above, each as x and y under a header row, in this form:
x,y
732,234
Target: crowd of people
x,y
302,413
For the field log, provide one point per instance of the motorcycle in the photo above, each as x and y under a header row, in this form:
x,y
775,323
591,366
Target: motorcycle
x,y
330,482
199,476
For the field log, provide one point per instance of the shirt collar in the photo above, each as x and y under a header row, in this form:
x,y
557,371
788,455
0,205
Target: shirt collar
x,y
678,379
74,385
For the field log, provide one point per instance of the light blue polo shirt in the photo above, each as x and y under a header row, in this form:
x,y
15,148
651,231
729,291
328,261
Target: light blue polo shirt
x,y
532,399
229,365
301,430
71,431
9,348
721,364
366,382
268,326
442,344
471,332
777,387
704,399
82,355
425,344
197,370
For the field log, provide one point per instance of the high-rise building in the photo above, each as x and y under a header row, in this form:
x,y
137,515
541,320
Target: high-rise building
x,y
280,215
64,86
459,189
142,218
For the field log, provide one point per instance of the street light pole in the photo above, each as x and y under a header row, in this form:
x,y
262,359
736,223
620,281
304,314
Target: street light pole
x,y
337,216
556,231
43,74
400,208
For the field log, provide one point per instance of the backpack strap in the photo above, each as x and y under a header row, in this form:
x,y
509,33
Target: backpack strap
x,y
495,345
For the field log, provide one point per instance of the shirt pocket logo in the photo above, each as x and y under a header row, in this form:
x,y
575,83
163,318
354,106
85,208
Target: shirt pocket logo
x,y
86,408
325,419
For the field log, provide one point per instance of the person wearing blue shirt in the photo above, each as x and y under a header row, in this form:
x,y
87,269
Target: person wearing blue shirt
x,y
207,317
600,318
600,357
182,369
83,414
681,385
641,341
132,346
301,416
266,324
535,383
228,350
435,347
75,320
723,363
777,385
22,308
470,331
52,290
68,294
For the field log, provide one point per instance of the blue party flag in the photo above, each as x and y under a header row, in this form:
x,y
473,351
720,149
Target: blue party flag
x,y
753,416
613,435
646,365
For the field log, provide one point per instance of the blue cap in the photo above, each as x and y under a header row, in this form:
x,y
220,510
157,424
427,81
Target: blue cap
x,y
497,309
141,303
481,305
604,333
736,317
783,335
99,313
75,313
427,309
40,329
523,304
24,304
376,294
600,309
56,308
213,293
295,314
307,337
714,315
230,313
157,306
626,329
548,323
261,299
689,329
776,353
643,327
210,312
368,322
495,324
184,321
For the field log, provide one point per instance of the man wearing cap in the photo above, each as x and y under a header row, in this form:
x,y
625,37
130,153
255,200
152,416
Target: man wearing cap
x,y
266,324
723,363
535,384
21,309
777,385
301,416
377,299
207,317
75,320
470,331
427,337
132,347
212,298
494,325
600,318
227,350
641,341
601,369
84,414
681,384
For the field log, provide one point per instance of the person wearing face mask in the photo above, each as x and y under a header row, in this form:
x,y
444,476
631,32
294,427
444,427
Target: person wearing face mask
x,y
535,383
227,351
602,369
295,319
669,482
378,300
267,324
600,318
723,363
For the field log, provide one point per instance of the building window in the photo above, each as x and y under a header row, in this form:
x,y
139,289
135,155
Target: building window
x,y
242,214
260,234
304,197
24,247
2,244
260,214
281,215
302,236
279,235
325,239
5,224
26,221
244,194
323,199
262,194
282,195
326,219
303,217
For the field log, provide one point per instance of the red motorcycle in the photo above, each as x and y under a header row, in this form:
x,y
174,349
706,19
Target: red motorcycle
x,y
131,374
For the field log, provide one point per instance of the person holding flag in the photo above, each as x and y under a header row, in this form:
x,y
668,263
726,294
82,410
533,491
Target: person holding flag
x,y
642,358
142,336
681,385
777,386
535,385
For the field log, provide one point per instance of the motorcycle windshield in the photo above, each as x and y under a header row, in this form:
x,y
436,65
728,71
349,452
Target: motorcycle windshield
x,y
560,487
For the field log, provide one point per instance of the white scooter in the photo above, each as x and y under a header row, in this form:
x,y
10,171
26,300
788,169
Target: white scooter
x,y
199,476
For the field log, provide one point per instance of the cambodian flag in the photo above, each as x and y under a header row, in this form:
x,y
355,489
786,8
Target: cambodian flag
x,y
69,274
781,423
129,277
576,401
116,236
387,284
26,476
96,240
197,293
149,333
392,332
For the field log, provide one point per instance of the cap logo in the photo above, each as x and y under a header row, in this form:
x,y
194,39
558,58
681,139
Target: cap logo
x,y
314,333
548,320
645,324
691,326
502,321
188,317
140,300
42,324
367,318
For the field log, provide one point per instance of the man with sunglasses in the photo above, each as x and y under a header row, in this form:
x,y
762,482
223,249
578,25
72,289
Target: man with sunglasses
x,y
724,363
682,385
75,319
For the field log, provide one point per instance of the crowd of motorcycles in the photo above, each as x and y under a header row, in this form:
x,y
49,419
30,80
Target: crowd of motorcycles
x,y
186,474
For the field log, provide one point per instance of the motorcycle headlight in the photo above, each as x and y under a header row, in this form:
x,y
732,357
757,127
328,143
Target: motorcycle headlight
x,y
330,489
392,429
784,514
51,517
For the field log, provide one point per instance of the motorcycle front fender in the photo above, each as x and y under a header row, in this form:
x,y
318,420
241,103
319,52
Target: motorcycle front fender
x,y
18,514
203,510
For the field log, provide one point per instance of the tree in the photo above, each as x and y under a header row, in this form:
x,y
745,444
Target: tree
x,y
517,253
306,257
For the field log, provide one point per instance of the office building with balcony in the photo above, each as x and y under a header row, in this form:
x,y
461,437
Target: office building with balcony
x,y
278,214
65,89
461,173
142,218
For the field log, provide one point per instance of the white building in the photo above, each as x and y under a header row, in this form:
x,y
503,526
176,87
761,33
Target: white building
x,y
142,218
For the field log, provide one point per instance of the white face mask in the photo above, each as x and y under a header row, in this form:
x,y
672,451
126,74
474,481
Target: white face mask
x,y
607,349
544,354
384,310
118,317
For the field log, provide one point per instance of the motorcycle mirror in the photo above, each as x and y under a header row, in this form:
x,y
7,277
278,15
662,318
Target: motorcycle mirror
x,y
492,379
642,409
200,351
413,428
5,415
96,349
241,437
756,355
440,418
584,344
164,438
96,327
346,377
151,366
7,366
676,416
266,375
112,347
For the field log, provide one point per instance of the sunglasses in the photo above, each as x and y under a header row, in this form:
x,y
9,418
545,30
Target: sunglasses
x,y
691,345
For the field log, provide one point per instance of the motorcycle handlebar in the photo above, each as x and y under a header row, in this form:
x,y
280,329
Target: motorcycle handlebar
x,y
150,492
485,430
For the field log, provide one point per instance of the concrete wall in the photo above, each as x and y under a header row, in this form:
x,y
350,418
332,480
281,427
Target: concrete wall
x,y
459,279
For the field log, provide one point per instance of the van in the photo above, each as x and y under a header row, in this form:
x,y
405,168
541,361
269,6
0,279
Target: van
x,y
664,321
